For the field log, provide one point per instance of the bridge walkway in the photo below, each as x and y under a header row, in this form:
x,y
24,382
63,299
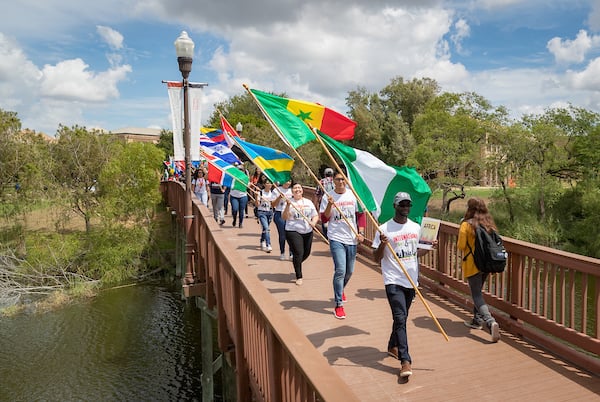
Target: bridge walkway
x,y
467,366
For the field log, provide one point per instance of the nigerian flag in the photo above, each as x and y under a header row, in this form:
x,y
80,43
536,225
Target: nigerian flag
x,y
377,183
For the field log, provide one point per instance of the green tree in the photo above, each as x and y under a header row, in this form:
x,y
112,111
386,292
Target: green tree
x,y
10,155
165,143
380,129
409,98
79,156
452,135
128,184
385,120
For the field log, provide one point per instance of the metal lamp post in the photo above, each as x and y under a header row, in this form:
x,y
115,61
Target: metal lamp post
x,y
184,48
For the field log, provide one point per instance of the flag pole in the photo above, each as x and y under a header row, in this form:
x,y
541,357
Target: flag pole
x,y
376,224
282,137
234,139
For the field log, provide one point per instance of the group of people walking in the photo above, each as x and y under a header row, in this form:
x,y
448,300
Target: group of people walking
x,y
395,244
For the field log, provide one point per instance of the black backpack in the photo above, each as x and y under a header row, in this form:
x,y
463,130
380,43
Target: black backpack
x,y
490,255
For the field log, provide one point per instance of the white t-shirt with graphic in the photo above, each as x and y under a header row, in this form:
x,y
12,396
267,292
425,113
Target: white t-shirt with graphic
x,y
404,238
296,222
265,199
337,228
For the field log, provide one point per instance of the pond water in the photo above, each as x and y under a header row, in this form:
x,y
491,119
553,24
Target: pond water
x,y
127,344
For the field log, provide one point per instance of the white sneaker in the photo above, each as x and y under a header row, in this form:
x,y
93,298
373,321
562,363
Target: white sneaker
x,y
299,281
269,249
282,257
263,245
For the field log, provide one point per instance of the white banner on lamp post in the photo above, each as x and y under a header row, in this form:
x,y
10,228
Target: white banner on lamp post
x,y
176,102
195,106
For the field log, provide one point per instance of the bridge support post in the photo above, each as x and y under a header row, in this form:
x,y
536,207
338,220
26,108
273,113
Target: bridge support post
x,y
208,383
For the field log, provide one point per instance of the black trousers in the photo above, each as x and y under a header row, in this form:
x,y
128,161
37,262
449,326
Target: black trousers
x,y
300,245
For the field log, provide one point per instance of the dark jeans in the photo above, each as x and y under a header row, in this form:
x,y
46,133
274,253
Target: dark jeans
x,y
280,224
300,245
265,218
400,299
238,206
226,200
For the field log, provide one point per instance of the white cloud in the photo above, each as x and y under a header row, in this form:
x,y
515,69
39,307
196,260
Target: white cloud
x,y
462,31
113,38
588,79
322,59
569,51
71,79
594,17
59,93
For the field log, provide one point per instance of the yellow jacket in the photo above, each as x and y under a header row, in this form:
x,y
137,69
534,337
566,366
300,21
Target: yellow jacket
x,y
466,235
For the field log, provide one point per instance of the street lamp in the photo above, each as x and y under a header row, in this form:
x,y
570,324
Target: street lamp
x,y
184,48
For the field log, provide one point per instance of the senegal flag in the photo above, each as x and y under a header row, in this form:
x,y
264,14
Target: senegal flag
x,y
294,119
377,183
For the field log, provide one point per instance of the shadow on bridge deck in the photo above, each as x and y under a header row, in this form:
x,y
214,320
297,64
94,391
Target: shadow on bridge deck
x,y
468,366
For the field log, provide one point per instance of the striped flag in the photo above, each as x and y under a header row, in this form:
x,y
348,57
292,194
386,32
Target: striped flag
x,y
276,165
212,142
294,118
224,173
376,183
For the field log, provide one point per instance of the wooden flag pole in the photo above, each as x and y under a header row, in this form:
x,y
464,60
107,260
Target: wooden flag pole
x,y
286,142
376,224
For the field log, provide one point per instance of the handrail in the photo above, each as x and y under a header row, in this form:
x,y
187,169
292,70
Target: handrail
x,y
548,296
274,360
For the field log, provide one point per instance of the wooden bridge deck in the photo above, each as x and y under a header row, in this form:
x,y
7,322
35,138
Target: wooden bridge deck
x,y
468,366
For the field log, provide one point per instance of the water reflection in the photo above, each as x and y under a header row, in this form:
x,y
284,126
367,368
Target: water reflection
x,y
131,343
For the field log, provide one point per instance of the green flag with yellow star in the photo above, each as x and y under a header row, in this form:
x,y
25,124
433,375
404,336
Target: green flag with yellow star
x,y
296,118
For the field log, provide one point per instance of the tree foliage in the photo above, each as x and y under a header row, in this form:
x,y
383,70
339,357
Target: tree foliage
x,y
131,172
79,156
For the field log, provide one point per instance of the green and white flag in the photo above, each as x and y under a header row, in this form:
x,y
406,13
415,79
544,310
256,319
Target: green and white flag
x,y
376,183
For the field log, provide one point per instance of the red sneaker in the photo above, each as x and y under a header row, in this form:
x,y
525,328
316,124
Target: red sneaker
x,y
339,313
344,297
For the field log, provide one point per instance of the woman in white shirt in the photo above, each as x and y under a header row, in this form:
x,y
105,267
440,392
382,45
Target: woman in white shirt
x,y
300,217
200,186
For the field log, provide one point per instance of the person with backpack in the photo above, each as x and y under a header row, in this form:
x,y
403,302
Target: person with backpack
x,y
477,217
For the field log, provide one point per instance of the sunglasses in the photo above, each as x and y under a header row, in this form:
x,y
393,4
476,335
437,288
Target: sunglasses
x,y
339,179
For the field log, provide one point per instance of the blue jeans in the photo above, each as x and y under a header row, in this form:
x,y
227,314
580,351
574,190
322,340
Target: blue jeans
x,y
344,256
238,206
265,218
481,311
280,224
400,299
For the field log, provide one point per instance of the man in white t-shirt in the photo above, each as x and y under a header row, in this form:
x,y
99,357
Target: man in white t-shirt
x,y
346,228
403,235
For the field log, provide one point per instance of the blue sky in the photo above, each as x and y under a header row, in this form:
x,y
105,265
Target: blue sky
x,y
101,64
